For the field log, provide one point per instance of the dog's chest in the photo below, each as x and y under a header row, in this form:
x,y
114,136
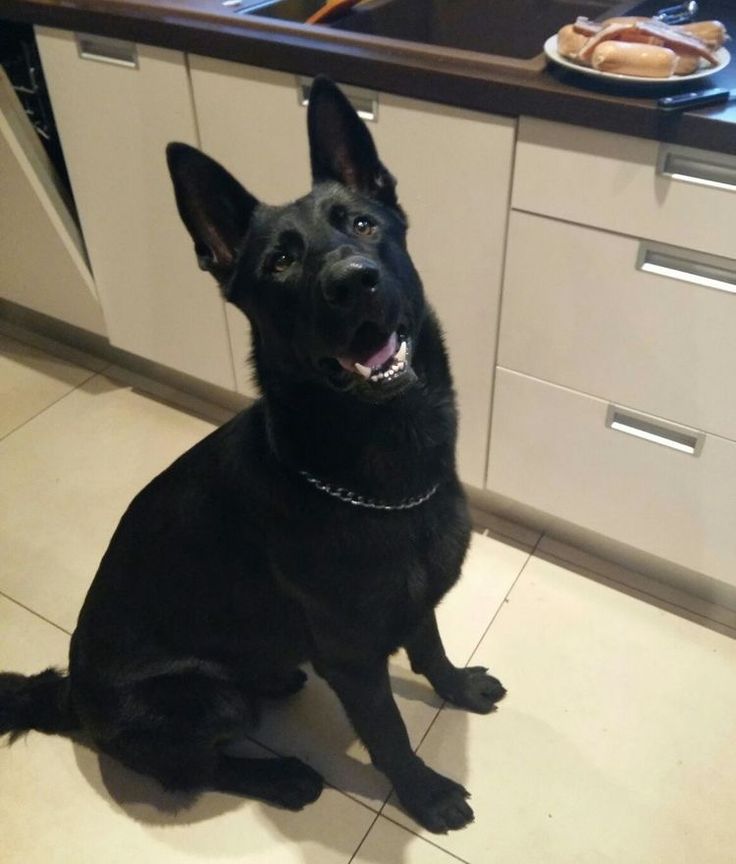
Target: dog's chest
x,y
376,576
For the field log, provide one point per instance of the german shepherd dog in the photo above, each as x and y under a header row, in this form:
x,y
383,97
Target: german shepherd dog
x,y
324,523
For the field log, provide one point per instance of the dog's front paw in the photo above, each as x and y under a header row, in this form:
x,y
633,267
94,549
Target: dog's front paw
x,y
436,802
475,690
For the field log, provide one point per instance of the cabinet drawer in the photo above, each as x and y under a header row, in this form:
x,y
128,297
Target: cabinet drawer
x,y
579,312
619,182
551,449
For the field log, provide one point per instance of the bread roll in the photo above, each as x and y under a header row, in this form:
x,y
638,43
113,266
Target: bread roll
x,y
634,58
686,64
712,33
569,42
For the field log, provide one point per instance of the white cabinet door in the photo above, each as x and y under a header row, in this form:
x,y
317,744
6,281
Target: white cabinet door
x,y
42,259
582,312
117,106
641,481
665,192
454,173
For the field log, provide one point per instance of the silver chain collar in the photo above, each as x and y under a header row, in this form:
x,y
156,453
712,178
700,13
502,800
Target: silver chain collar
x,y
348,497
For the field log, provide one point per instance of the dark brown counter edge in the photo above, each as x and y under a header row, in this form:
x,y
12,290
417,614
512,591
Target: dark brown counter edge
x,y
479,86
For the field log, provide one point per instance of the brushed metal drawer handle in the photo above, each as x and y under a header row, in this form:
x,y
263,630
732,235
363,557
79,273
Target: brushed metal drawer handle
x,y
105,50
676,438
364,101
692,166
709,271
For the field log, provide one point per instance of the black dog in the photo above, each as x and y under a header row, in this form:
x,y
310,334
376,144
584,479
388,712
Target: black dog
x,y
324,523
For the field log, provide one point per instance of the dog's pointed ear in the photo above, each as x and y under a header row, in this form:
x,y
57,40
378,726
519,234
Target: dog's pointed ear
x,y
213,206
341,147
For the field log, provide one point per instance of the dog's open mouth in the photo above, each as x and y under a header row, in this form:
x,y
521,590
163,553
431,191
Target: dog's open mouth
x,y
377,359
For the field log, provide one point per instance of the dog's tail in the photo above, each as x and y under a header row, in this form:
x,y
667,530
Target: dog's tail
x,y
40,702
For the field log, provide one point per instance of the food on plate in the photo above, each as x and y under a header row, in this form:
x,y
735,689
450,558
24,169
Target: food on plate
x,y
569,42
625,45
687,64
712,33
634,58
650,33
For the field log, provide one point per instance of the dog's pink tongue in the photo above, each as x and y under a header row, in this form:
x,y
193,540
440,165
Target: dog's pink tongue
x,y
376,360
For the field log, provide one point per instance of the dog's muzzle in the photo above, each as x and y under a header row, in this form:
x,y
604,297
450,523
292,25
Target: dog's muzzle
x,y
352,285
378,355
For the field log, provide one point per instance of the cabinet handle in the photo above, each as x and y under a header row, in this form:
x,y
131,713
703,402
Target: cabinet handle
x,y
693,166
106,50
710,271
365,102
675,437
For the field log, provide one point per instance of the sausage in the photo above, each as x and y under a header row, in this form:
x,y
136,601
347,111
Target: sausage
x,y
569,42
619,32
649,32
712,33
686,64
631,58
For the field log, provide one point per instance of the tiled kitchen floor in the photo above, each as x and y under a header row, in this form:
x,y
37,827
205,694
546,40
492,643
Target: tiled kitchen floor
x,y
616,743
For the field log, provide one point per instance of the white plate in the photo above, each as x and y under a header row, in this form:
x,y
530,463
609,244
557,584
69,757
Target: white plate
x,y
550,49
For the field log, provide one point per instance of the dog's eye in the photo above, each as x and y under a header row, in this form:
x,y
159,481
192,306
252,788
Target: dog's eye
x,y
280,261
363,225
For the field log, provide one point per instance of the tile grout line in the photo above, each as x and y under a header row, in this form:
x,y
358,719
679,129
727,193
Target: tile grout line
x,y
485,633
439,710
375,813
33,612
51,404
364,838
506,596
425,839
326,782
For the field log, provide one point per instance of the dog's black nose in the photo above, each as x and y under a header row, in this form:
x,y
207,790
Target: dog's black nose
x,y
348,281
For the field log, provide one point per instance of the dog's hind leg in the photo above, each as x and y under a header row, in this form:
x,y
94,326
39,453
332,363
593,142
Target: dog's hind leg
x,y
173,727
279,685
197,766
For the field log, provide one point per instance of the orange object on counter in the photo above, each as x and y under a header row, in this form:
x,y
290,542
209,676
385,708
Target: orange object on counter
x,y
330,9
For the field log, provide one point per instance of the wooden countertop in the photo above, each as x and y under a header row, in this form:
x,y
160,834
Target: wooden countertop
x,y
463,78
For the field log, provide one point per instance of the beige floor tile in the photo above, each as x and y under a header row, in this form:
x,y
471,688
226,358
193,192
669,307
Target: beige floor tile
x,y
498,526
62,803
388,843
27,643
716,604
615,743
31,380
313,725
68,476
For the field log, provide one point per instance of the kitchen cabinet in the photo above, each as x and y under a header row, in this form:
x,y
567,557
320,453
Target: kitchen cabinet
x,y
663,192
556,449
117,105
612,409
43,265
583,313
453,168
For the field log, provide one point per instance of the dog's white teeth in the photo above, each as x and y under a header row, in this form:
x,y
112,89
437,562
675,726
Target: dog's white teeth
x,y
398,366
390,373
